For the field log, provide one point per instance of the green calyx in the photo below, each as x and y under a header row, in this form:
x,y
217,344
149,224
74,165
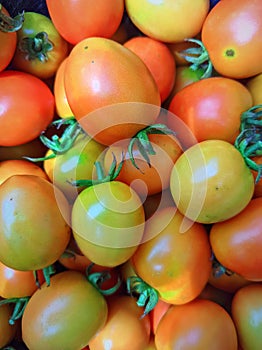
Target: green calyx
x,y
36,47
9,24
47,272
19,307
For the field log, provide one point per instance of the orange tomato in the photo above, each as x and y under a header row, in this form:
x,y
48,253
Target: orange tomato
x,y
254,86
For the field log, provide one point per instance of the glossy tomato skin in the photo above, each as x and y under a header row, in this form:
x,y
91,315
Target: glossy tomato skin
x,y
236,241
8,331
246,313
64,315
211,108
124,326
210,182
28,104
173,252
77,20
34,229
231,34
199,324
188,16
29,60
109,88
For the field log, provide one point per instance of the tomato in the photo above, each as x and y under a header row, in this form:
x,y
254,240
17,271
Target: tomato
x,y
40,48
210,182
254,86
153,53
236,241
33,230
188,17
173,252
246,313
211,108
258,185
177,50
157,313
217,295
12,167
8,331
79,19
197,325
231,33
101,73
27,103
108,222
124,326
64,315
157,201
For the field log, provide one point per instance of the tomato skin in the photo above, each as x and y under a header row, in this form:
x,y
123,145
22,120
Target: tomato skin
x,y
64,315
228,282
79,19
124,326
258,185
254,86
94,78
30,115
236,241
8,331
210,182
169,259
211,108
33,24
246,312
231,34
34,233
199,324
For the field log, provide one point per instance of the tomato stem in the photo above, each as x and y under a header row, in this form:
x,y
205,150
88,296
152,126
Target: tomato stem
x,y
36,47
20,304
9,24
47,272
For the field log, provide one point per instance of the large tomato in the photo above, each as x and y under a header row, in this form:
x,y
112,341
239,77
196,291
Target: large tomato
x,y
33,231
27,107
211,108
210,182
175,256
168,20
64,315
236,241
197,325
101,73
79,19
232,34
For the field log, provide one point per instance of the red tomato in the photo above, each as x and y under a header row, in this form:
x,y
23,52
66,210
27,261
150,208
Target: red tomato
x,y
27,107
232,34
211,108
79,19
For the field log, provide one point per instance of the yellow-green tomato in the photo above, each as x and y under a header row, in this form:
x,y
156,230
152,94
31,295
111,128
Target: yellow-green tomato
x,y
210,182
108,222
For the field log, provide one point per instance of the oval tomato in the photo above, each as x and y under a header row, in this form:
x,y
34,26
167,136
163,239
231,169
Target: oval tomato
x,y
210,182
30,116
235,242
79,19
232,34
8,331
64,315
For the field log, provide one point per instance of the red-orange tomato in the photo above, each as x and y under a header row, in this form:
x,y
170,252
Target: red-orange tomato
x,y
237,241
211,108
232,34
157,313
79,19
197,325
101,73
124,326
159,60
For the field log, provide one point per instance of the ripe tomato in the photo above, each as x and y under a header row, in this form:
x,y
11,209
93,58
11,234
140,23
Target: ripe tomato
x,y
103,73
199,324
33,231
79,19
170,260
12,167
64,315
124,326
187,15
157,313
258,185
254,86
153,53
232,34
108,222
235,242
211,108
8,331
210,182
40,48
246,313
30,115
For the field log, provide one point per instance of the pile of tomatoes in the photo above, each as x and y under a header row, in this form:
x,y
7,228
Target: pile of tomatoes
x,y
130,175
